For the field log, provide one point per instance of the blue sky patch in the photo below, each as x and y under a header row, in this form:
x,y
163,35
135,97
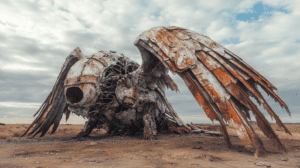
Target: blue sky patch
x,y
230,41
258,10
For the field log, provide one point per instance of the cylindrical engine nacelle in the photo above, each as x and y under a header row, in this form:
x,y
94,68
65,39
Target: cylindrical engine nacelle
x,y
81,94
80,84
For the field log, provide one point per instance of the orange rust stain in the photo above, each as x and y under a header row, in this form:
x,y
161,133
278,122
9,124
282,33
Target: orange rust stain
x,y
250,133
200,98
163,55
173,45
46,112
221,102
189,61
175,129
223,76
159,51
251,138
164,37
237,75
184,129
181,34
42,118
169,61
159,36
232,113
204,81
201,55
210,63
81,79
82,86
237,117
202,101
172,66
134,92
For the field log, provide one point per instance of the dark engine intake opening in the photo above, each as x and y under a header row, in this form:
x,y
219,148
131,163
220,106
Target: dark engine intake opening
x,y
74,94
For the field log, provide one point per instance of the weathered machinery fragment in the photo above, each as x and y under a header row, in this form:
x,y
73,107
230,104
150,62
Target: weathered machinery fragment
x,y
109,88
106,89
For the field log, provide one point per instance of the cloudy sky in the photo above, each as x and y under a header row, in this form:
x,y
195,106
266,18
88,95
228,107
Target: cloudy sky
x,y
37,36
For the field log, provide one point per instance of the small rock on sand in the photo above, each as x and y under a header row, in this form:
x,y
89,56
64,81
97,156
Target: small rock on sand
x,y
93,143
208,158
259,164
197,147
283,159
262,164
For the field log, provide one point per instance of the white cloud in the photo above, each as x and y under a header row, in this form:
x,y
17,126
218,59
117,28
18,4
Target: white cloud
x,y
20,67
218,31
37,36
20,105
26,59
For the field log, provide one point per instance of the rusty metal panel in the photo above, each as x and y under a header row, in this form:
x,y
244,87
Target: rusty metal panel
x,y
82,79
207,79
260,81
179,33
209,43
171,46
242,133
241,76
221,73
200,98
77,68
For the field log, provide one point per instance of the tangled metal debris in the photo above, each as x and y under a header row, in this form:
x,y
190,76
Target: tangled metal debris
x,y
109,88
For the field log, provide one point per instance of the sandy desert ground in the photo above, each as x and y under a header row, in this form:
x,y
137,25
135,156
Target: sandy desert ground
x,y
170,151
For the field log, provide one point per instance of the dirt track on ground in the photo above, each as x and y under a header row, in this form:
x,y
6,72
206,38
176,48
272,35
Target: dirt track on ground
x,y
172,150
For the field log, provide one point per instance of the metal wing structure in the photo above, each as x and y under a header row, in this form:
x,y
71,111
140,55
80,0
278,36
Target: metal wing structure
x,y
221,82
51,111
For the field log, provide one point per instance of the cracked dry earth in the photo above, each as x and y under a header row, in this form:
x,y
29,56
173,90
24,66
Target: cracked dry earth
x,y
171,150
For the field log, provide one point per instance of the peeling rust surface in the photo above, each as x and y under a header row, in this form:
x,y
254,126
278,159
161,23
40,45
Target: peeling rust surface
x,y
110,89
82,79
200,98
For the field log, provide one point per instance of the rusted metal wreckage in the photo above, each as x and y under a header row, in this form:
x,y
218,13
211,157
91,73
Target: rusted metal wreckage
x,y
109,88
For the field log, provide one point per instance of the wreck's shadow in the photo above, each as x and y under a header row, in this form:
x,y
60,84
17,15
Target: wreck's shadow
x,y
241,149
